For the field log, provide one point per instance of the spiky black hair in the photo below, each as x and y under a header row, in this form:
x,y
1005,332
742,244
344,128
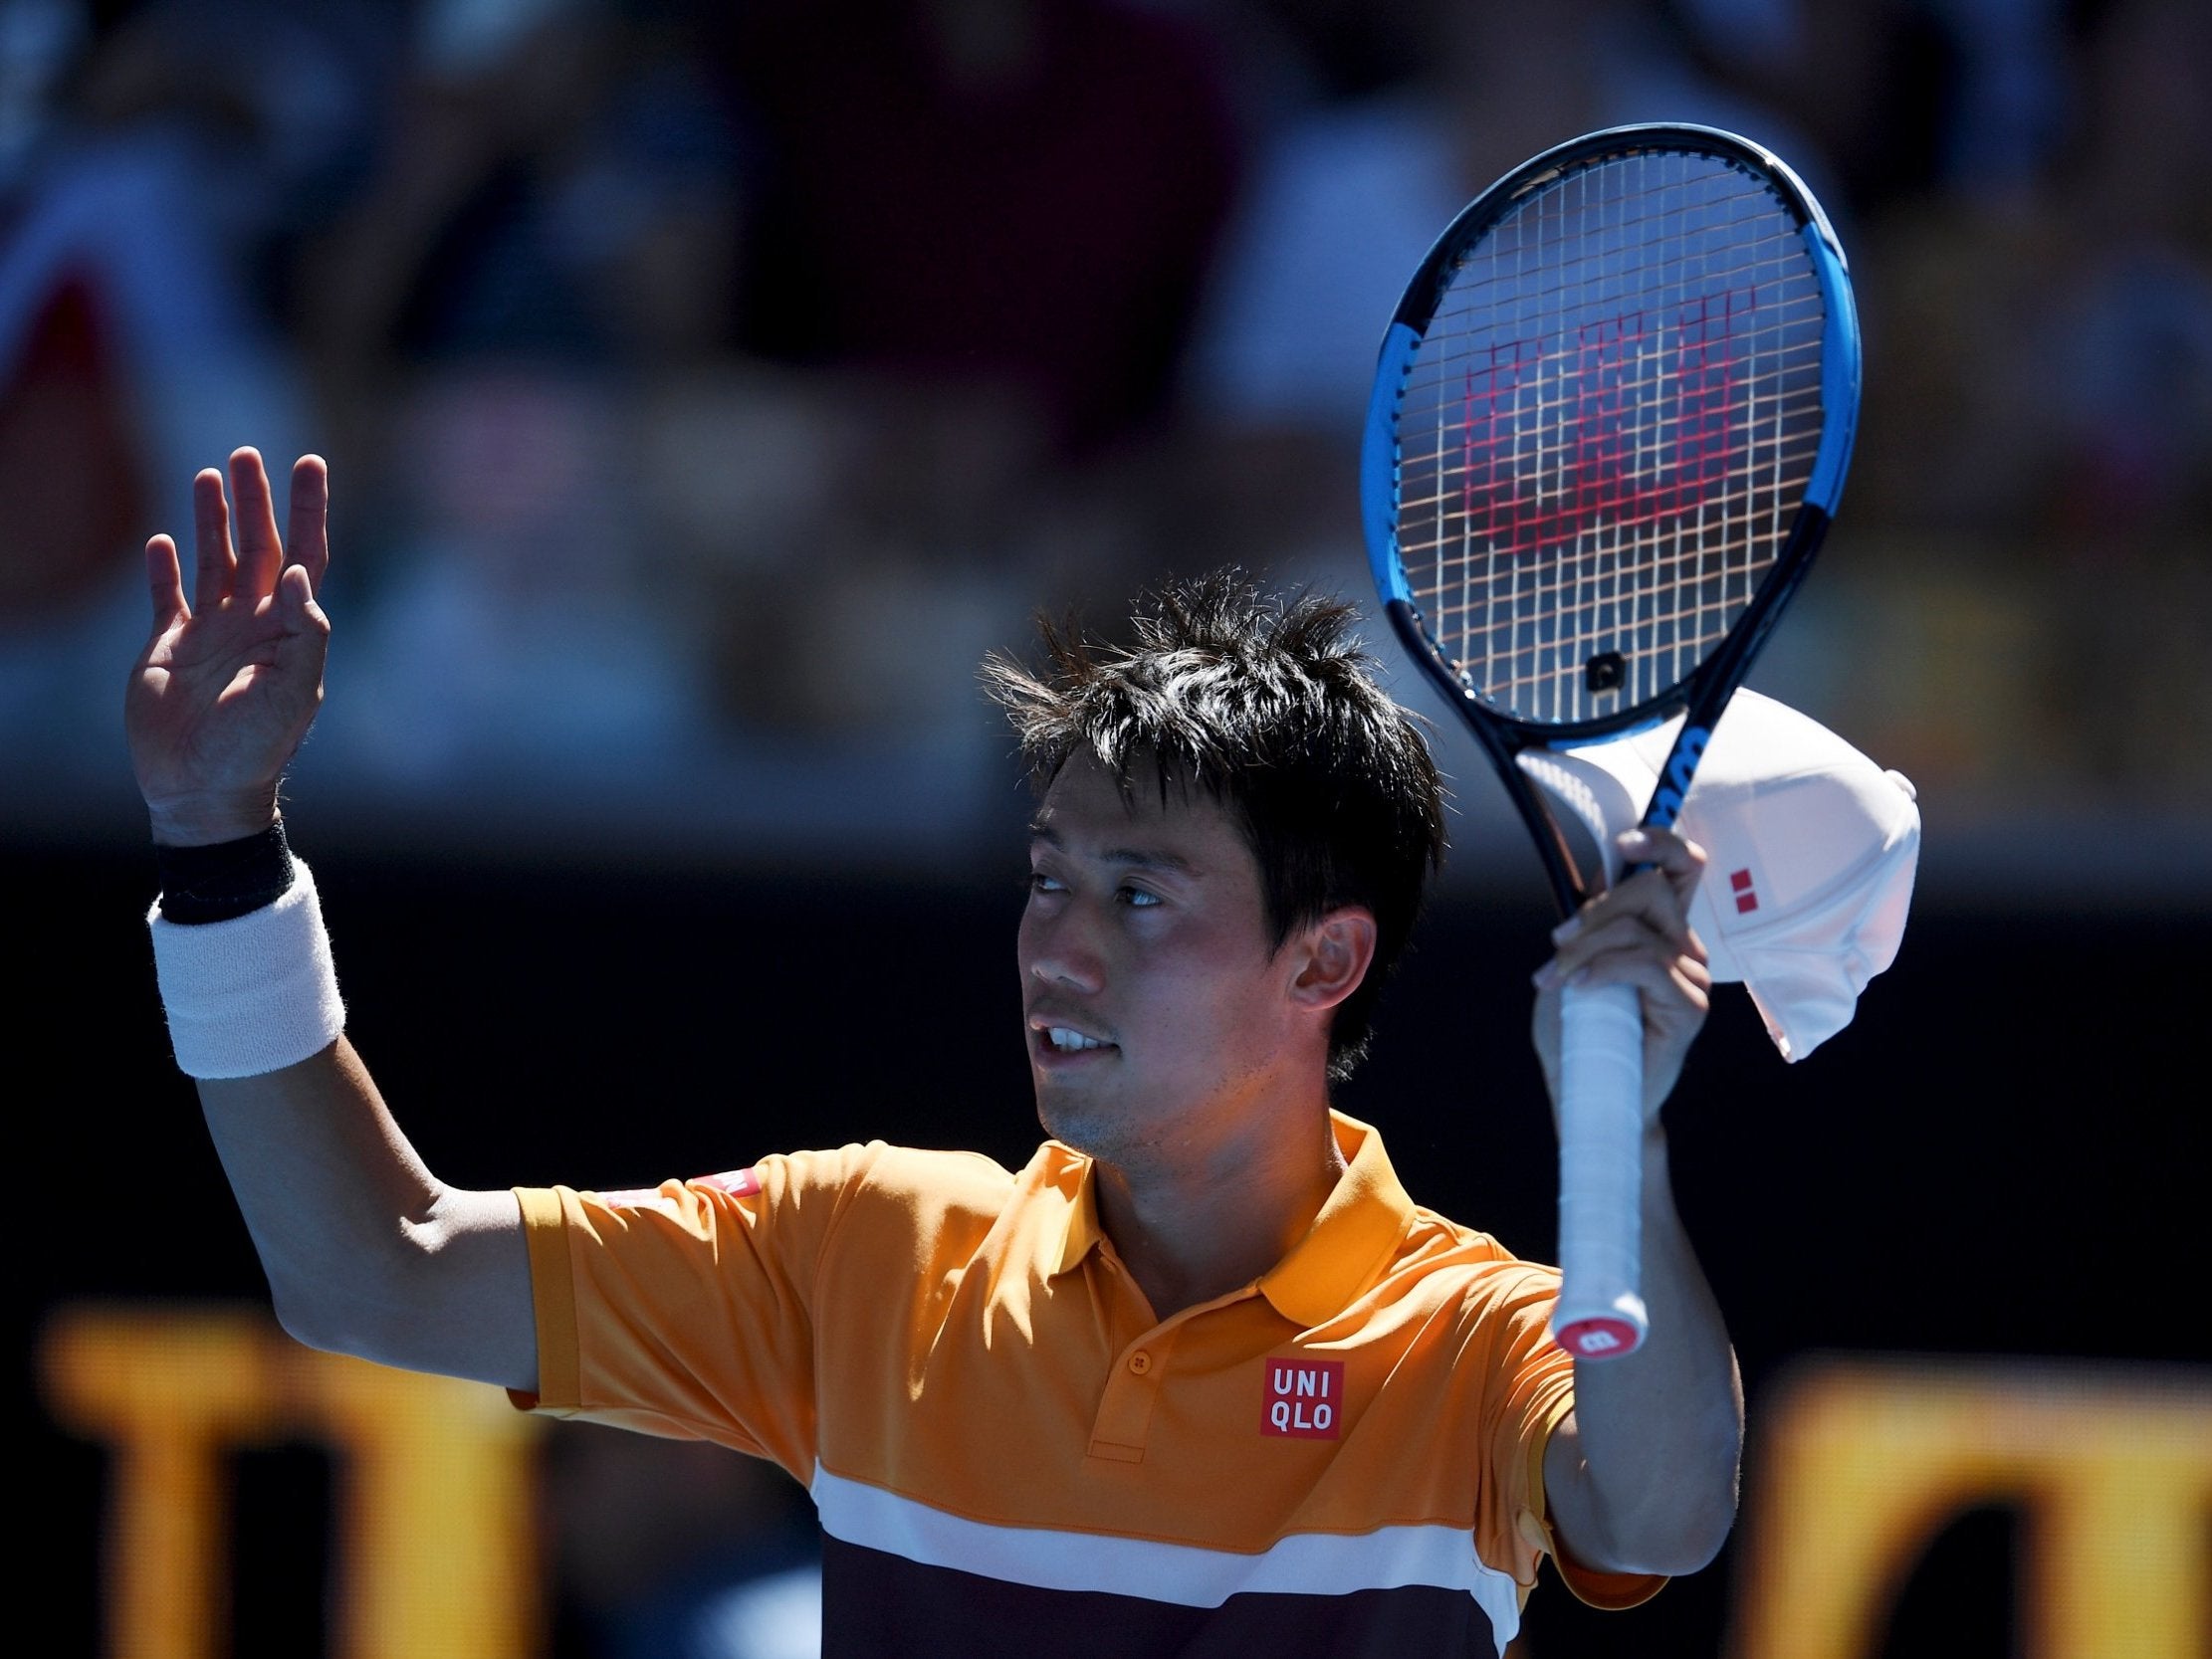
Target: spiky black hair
x,y
1273,710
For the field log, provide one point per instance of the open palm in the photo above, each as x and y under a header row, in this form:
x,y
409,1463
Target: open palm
x,y
229,682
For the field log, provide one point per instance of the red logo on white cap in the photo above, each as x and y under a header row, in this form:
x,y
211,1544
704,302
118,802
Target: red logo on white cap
x,y
1739,883
1305,1399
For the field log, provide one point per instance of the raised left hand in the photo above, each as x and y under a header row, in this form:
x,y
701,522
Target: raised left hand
x,y
222,696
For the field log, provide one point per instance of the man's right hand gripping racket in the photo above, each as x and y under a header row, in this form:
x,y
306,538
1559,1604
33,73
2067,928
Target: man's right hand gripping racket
x,y
1610,425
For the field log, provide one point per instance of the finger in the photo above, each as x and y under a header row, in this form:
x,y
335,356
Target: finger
x,y
1660,981
212,560
308,534
1622,936
305,644
295,600
260,553
1693,993
165,582
1668,849
1649,897
1681,860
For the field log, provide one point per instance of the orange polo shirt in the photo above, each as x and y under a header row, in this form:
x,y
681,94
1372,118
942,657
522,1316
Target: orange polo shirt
x,y
1010,1454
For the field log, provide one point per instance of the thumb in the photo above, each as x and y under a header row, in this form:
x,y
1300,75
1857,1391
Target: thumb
x,y
296,597
166,584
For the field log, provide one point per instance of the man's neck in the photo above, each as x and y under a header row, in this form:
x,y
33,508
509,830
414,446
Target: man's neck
x,y
1198,1229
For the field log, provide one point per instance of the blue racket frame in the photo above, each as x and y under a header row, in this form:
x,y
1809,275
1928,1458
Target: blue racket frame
x,y
1705,692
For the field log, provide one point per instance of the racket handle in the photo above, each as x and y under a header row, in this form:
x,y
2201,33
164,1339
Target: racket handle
x,y
1600,1173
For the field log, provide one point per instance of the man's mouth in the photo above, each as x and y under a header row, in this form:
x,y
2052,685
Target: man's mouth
x,y
1054,1041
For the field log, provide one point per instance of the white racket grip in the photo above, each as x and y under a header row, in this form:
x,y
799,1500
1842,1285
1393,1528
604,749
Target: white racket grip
x,y
1600,1173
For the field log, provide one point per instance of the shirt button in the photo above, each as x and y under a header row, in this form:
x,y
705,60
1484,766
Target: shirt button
x,y
1139,1362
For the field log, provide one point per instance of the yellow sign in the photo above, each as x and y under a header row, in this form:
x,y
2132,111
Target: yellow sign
x,y
434,1549
1859,1466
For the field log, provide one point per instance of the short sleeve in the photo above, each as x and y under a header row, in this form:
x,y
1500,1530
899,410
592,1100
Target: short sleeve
x,y
688,1310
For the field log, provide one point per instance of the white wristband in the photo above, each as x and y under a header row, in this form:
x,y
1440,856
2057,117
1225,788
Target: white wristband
x,y
253,994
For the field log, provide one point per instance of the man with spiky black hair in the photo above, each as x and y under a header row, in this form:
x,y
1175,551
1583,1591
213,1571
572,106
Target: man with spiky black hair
x,y
1200,1378
1272,714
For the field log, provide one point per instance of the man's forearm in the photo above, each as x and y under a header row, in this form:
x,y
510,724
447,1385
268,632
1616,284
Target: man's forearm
x,y
366,1250
1660,1431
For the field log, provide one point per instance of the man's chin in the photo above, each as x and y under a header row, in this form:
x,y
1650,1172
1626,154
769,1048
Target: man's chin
x,y
1072,1119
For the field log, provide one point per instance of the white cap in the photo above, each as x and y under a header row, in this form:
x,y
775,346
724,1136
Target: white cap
x,y
1811,849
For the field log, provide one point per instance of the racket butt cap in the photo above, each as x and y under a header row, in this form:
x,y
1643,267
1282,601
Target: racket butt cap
x,y
1600,1336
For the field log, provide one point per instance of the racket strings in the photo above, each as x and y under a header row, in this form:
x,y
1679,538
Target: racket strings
x,y
1474,314
1606,432
1443,514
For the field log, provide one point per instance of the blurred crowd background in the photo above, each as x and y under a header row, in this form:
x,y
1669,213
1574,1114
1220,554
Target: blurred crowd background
x,y
708,386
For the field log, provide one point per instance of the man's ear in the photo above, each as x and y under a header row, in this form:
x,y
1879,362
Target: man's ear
x,y
1333,957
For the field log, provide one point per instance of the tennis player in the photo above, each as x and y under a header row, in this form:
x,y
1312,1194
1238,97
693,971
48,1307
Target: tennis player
x,y
1198,1379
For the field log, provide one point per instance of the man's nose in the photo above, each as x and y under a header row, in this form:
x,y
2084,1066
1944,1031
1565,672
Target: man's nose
x,y
1063,951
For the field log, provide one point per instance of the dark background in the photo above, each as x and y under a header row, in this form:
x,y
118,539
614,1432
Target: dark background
x,y
2000,1157
706,387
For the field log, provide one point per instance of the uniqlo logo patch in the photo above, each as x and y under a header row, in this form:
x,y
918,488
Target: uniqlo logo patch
x,y
1739,883
739,1184
1305,1398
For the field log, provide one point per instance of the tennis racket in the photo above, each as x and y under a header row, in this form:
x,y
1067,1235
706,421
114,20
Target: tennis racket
x,y
1610,424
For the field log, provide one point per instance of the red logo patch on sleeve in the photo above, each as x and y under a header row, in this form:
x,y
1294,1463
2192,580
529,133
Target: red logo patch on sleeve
x,y
1304,1399
739,1184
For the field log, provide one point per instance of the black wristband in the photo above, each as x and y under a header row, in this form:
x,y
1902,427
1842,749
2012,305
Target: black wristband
x,y
229,879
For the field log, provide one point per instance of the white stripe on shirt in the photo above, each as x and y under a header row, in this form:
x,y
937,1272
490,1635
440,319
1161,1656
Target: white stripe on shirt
x,y
1304,1564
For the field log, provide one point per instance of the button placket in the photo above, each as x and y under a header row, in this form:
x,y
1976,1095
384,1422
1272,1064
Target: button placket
x,y
1131,1387
1134,1380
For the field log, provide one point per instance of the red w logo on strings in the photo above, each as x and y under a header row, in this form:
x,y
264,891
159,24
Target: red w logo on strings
x,y
1629,421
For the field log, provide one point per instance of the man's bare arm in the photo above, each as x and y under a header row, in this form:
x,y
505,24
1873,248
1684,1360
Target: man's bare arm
x,y
366,1251
1641,1475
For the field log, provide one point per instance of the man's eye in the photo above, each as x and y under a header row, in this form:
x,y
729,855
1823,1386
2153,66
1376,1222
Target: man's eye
x,y
1137,898
1039,881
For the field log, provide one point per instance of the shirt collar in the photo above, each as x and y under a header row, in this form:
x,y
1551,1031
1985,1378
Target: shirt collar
x,y
1358,1227
1083,1229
